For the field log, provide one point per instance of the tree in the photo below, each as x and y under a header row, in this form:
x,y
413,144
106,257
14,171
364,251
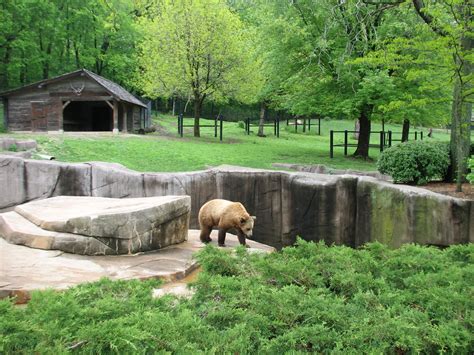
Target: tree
x,y
197,49
453,20
44,38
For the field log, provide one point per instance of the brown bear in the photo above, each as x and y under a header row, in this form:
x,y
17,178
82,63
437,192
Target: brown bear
x,y
225,215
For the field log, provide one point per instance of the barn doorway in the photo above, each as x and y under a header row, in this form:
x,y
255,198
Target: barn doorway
x,y
89,116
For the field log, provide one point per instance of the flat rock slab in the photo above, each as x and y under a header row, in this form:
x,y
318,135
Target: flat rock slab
x,y
98,225
24,269
103,217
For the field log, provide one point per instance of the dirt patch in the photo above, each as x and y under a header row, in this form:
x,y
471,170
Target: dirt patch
x,y
450,189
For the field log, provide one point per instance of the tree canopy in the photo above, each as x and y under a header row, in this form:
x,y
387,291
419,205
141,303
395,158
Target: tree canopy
x,y
356,59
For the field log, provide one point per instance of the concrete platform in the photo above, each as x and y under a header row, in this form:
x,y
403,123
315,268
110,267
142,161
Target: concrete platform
x,y
24,269
97,225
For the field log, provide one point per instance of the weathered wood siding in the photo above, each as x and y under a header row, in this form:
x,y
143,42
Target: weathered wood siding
x,y
53,95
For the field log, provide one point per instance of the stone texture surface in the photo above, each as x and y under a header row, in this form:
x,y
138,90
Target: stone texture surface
x,y
25,269
47,179
12,181
322,169
7,142
16,229
98,225
345,209
114,180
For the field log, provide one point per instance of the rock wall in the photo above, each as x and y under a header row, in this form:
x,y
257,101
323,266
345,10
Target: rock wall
x,y
346,209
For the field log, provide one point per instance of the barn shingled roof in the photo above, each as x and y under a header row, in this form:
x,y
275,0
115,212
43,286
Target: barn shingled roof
x,y
112,88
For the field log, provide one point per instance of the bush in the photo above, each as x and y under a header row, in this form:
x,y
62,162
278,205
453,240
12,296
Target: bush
x,y
307,298
241,124
13,148
415,162
470,176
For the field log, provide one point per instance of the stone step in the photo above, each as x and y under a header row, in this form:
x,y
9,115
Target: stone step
x,y
16,229
124,226
104,217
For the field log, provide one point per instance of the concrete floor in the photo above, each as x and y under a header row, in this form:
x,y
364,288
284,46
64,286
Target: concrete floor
x,y
24,269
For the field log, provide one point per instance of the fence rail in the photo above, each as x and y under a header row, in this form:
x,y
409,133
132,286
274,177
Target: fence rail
x,y
385,140
218,126
275,124
305,122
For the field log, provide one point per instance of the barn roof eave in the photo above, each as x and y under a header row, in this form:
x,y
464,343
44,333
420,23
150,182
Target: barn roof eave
x,y
117,91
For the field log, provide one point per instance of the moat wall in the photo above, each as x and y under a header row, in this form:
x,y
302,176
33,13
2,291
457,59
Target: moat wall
x,y
345,209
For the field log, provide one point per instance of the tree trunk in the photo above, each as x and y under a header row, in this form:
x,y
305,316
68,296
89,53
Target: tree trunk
x,y
405,130
364,132
263,110
461,115
197,115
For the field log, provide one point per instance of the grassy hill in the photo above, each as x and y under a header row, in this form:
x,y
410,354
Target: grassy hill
x,y
164,150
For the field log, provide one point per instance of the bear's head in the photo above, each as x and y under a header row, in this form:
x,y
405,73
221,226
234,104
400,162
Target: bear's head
x,y
246,225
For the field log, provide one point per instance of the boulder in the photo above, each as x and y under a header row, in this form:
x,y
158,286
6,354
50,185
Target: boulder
x,y
122,225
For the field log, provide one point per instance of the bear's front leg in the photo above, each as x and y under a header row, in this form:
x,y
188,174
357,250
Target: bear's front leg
x,y
221,237
241,237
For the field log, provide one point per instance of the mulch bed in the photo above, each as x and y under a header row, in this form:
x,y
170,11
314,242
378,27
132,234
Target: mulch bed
x,y
450,189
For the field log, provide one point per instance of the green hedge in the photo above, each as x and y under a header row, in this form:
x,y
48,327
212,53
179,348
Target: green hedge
x,y
415,162
470,176
307,298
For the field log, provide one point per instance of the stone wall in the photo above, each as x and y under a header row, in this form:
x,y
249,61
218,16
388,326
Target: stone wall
x,y
344,209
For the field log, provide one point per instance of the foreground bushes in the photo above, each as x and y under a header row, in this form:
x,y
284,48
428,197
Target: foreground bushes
x,y
307,298
415,162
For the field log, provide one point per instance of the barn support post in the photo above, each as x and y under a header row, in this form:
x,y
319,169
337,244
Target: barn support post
x,y
61,116
125,118
115,129
5,113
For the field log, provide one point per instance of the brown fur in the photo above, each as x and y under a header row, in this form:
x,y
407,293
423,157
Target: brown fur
x,y
225,215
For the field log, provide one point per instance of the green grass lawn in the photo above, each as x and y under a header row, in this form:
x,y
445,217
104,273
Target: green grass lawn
x,y
166,151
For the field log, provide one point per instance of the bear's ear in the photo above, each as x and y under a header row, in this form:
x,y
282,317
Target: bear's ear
x,y
242,220
254,218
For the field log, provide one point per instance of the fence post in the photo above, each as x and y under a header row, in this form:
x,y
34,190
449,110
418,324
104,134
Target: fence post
x,y
319,126
309,124
220,137
180,124
389,138
247,125
381,140
296,125
331,144
421,135
416,135
304,125
345,142
278,128
215,126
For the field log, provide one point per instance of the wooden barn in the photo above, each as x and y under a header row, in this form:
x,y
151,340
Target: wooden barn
x,y
78,101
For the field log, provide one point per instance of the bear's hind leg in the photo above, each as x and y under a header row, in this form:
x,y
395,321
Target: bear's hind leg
x,y
221,237
205,234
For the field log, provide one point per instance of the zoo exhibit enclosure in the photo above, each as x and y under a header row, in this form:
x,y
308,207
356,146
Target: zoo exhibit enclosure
x,y
385,140
346,209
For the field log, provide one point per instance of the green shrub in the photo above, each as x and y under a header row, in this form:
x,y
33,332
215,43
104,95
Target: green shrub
x,y
307,298
13,148
415,162
241,124
470,176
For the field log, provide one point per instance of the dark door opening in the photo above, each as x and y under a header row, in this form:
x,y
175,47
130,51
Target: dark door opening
x,y
87,116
